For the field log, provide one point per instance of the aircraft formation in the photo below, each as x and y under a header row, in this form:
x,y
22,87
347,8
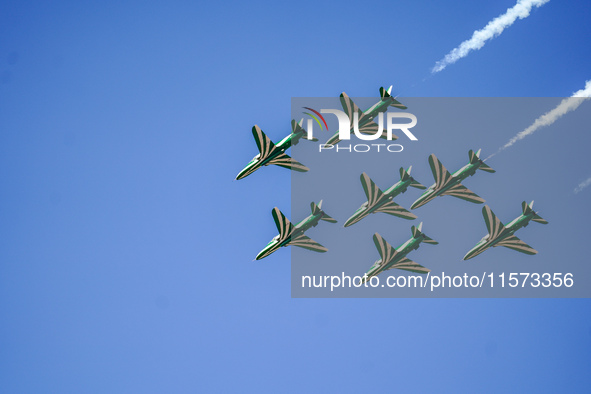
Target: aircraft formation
x,y
446,184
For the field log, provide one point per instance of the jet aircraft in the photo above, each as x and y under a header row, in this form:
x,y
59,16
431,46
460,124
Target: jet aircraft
x,y
271,153
396,258
294,235
502,235
447,184
378,201
366,123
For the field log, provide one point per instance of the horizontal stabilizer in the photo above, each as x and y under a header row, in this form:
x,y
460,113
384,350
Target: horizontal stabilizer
x,y
284,226
475,158
405,175
528,209
515,243
418,232
486,168
387,94
430,241
305,242
461,191
317,209
327,218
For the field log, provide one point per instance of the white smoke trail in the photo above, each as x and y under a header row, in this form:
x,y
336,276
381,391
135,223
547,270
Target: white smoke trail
x,y
566,105
491,30
582,185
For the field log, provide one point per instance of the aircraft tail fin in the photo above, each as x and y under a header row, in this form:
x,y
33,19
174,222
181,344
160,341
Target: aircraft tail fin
x,y
417,232
405,175
296,127
317,209
387,94
527,209
475,158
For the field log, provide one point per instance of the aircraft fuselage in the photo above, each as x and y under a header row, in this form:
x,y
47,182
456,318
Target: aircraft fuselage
x,y
299,229
398,188
283,145
457,177
370,114
508,231
401,252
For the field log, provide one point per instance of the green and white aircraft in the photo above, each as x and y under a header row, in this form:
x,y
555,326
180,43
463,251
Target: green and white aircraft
x,y
271,153
396,258
378,201
366,123
294,235
502,235
447,184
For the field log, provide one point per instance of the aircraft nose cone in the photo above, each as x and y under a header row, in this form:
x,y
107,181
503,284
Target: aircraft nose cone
x,y
420,201
472,253
249,169
242,173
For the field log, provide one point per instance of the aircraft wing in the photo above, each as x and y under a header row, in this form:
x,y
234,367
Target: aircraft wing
x,y
268,149
371,127
305,242
409,265
283,224
366,125
387,252
391,208
264,143
440,174
515,243
461,191
285,161
372,191
350,108
493,224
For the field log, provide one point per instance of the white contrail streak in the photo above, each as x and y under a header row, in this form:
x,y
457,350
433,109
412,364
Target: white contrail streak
x,y
491,30
566,105
582,185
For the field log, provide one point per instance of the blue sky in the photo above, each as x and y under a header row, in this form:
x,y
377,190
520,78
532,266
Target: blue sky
x,y
126,246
